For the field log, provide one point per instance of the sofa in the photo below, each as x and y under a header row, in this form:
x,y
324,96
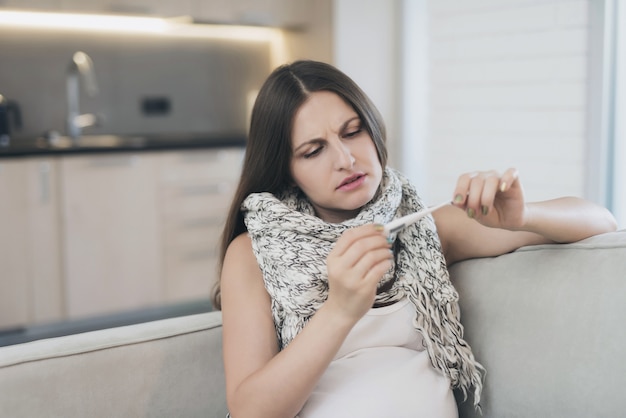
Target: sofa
x,y
546,321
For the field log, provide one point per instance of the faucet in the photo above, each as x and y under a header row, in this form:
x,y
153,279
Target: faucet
x,y
81,67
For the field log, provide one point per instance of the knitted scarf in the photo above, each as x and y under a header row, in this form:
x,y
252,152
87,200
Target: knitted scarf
x,y
291,245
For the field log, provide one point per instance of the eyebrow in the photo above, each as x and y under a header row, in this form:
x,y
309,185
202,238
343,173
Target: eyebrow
x,y
341,128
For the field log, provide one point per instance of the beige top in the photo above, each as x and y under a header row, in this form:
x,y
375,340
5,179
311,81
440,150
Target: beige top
x,y
382,370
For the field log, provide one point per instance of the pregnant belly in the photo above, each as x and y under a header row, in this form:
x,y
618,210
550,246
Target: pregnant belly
x,y
381,382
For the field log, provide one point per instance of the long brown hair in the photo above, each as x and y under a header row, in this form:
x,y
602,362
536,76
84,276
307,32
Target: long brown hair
x,y
266,165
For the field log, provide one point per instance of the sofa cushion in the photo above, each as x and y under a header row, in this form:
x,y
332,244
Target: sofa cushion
x,y
166,368
547,322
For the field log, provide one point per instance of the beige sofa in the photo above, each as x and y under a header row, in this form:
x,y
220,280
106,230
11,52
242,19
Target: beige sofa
x,y
546,321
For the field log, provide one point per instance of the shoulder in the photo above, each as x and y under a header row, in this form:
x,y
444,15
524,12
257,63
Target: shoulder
x,y
241,281
241,245
239,256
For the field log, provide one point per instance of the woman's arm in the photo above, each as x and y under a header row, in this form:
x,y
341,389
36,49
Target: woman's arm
x,y
260,380
491,218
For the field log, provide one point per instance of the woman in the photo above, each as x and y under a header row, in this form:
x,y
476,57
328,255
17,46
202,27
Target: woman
x,y
323,314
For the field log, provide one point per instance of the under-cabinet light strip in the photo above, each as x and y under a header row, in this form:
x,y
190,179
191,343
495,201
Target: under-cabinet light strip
x,y
44,20
179,26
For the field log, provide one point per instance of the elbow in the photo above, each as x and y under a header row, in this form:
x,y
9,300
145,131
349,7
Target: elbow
x,y
239,406
238,409
256,406
248,412
601,225
609,224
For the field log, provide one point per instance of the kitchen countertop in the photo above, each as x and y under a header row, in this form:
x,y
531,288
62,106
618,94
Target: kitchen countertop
x,y
92,144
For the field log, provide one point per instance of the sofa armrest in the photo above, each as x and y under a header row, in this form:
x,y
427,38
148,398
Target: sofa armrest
x,y
547,323
165,368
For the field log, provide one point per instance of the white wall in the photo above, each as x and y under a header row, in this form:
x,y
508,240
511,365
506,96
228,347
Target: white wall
x,y
619,162
365,47
467,85
508,87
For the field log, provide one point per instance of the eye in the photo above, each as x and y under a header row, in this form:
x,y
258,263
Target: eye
x,y
313,153
353,132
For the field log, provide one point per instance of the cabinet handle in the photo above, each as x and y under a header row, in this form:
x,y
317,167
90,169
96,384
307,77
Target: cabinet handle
x,y
44,182
113,161
214,188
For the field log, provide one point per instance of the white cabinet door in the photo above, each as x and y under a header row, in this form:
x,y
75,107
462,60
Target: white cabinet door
x,y
196,189
140,7
14,274
280,13
43,5
30,266
170,8
112,242
44,240
161,8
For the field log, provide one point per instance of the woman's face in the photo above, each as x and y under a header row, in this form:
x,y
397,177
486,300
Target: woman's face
x,y
334,161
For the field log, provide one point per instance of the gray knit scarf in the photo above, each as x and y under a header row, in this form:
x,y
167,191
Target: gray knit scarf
x,y
291,245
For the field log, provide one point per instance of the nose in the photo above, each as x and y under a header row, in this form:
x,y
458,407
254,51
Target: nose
x,y
343,156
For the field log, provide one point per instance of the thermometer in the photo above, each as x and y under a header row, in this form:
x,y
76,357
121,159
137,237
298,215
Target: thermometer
x,y
398,224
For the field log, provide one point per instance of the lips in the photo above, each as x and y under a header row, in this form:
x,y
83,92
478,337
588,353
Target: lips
x,y
352,180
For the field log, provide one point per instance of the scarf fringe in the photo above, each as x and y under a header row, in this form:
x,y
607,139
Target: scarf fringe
x,y
448,351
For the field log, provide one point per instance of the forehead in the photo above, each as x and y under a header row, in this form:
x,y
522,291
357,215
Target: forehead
x,y
321,111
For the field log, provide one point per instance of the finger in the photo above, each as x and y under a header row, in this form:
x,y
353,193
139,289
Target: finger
x,y
508,179
369,260
474,196
352,235
377,271
364,248
462,189
490,188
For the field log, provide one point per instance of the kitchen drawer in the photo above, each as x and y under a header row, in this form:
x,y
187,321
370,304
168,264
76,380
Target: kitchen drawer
x,y
180,167
212,198
193,232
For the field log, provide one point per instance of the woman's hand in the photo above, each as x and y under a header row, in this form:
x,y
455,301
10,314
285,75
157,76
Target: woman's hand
x,y
505,221
355,265
492,199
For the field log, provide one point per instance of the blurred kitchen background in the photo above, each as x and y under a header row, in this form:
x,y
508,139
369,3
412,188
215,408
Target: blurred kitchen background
x,y
123,126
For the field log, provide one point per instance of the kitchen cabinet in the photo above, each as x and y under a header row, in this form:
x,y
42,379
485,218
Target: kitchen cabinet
x,y
31,4
142,229
280,13
95,234
112,240
196,189
165,8
14,297
30,269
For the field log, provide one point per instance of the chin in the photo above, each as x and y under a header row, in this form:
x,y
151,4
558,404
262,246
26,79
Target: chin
x,y
367,199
